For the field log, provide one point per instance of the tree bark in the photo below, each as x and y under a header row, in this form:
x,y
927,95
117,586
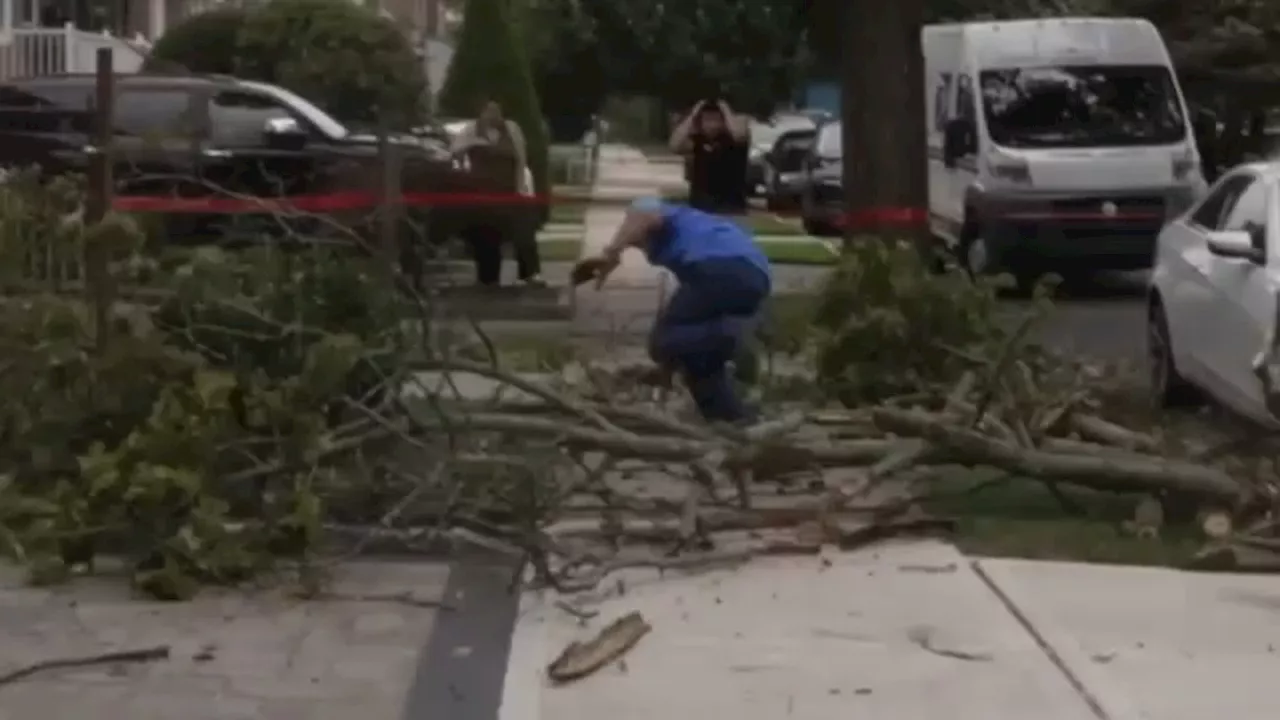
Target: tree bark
x,y
883,108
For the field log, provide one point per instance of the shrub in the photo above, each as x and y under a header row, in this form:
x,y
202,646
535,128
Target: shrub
x,y
342,56
202,43
490,63
886,325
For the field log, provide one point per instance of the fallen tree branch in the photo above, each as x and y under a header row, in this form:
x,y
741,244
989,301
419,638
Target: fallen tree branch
x,y
1112,473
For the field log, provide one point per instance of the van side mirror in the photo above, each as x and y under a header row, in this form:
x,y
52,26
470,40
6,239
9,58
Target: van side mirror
x,y
958,139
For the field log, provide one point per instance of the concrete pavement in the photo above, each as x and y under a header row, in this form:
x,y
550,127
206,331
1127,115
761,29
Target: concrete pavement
x,y
903,630
1154,643
233,655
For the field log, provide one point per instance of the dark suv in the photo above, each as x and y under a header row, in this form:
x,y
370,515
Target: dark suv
x,y
197,136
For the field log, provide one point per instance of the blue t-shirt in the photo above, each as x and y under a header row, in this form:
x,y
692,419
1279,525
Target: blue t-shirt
x,y
689,236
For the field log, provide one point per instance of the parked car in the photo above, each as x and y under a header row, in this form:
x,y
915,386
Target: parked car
x,y
784,169
208,135
1212,304
822,193
763,137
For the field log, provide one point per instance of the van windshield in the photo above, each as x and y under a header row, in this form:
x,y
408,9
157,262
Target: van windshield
x,y
1082,106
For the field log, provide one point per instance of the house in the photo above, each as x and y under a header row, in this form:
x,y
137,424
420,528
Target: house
x,y
44,37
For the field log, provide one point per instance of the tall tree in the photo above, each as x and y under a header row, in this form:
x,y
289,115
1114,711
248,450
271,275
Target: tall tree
x,y
882,89
564,57
754,52
490,63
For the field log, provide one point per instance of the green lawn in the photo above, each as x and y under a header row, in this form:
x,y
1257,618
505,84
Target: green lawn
x,y
1019,517
767,223
797,252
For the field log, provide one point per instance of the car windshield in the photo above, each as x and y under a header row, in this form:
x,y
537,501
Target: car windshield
x,y
323,120
829,145
767,133
1082,106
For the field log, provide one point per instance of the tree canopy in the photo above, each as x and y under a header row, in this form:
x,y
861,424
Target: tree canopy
x,y
344,57
491,63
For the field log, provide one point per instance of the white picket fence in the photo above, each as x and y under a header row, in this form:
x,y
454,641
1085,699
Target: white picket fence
x,y
31,52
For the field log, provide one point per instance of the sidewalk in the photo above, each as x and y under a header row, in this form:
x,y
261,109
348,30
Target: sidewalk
x,y
626,306
233,655
902,631
1151,642
915,631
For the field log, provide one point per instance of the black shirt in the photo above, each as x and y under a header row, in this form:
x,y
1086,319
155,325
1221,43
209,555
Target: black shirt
x,y
718,174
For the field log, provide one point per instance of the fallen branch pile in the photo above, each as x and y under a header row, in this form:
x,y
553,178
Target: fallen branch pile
x,y
635,485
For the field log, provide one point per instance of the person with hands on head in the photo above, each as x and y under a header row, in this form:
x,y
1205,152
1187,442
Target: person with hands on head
x,y
717,143
724,280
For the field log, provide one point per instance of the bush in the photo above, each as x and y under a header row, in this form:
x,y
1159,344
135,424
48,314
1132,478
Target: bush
x,y
490,63
203,43
205,438
886,325
344,56
340,55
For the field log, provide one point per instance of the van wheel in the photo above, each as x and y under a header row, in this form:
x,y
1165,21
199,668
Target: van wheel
x,y
1168,388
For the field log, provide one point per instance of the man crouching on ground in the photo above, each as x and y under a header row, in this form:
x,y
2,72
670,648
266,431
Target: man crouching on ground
x,y
724,281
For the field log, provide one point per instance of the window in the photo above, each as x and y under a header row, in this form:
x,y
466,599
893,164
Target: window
x,y
1210,213
317,117
942,103
51,109
239,119
829,144
966,103
1249,213
768,133
1082,106
46,98
155,114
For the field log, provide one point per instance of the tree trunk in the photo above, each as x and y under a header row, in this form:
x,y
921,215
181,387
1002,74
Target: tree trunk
x,y
883,108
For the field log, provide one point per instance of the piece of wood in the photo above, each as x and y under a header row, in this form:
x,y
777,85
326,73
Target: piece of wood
x,y
579,660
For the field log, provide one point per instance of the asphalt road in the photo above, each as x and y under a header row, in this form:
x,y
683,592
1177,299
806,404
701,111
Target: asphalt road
x,y
1103,318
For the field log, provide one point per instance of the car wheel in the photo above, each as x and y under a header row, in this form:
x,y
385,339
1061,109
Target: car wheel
x,y
1168,388
813,227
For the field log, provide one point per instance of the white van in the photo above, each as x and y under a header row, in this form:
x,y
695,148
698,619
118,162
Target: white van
x,y
1057,145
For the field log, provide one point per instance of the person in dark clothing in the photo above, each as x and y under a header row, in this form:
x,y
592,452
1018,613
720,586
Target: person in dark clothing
x,y
724,281
494,148
717,144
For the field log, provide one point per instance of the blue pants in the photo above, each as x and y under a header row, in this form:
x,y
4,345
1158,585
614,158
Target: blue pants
x,y
703,327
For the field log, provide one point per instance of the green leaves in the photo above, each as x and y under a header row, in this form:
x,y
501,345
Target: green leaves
x,y
340,55
888,326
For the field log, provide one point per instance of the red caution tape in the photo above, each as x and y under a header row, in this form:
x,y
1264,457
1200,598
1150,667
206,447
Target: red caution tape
x,y
884,216
362,200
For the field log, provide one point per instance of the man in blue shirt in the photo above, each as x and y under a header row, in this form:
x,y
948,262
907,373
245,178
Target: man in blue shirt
x,y
724,281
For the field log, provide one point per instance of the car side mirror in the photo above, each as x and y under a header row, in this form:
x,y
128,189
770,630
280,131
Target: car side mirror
x,y
1235,244
284,132
957,141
